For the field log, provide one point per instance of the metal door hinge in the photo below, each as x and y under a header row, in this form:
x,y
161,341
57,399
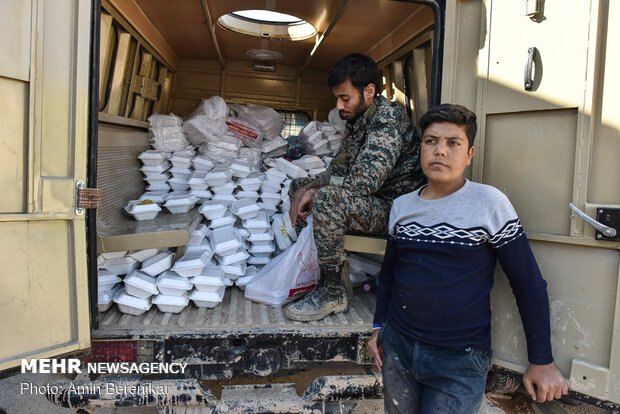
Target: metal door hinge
x,y
86,198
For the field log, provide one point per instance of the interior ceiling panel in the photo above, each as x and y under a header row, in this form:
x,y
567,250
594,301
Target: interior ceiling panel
x,y
363,23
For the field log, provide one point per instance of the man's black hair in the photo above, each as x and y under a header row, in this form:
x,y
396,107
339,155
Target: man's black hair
x,y
360,69
456,114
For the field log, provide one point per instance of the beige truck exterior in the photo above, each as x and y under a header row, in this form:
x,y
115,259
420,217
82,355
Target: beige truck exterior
x,y
554,142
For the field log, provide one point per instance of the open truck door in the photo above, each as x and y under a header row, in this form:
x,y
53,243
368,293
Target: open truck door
x,y
44,84
546,97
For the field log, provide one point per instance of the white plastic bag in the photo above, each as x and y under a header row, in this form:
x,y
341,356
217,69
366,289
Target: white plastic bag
x,y
267,119
288,276
207,122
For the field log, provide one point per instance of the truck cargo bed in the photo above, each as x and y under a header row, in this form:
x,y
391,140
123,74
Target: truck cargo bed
x,y
235,315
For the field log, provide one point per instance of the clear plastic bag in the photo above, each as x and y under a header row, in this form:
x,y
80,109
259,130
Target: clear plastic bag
x,y
207,122
289,275
162,120
168,139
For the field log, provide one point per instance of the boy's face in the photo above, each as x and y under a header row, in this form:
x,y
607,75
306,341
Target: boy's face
x,y
445,153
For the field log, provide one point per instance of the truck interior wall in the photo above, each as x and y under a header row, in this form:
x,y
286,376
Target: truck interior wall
x,y
238,82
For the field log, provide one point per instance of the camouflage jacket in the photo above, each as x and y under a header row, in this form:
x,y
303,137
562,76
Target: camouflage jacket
x,y
379,154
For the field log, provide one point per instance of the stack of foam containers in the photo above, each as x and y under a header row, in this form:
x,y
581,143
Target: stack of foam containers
x,y
320,138
155,168
209,287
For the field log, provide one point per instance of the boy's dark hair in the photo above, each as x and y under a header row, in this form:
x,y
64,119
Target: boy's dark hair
x,y
456,114
360,69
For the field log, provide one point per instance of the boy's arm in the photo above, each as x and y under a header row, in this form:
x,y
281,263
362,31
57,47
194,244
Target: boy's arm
x,y
542,379
385,279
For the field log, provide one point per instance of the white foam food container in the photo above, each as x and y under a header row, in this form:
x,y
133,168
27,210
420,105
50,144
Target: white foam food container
x,y
192,263
106,280
279,231
269,186
155,169
154,196
171,303
228,282
272,199
308,162
244,208
142,255
204,246
314,137
316,171
213,209
272,145
257,224
252,182
258,260
178,184
274,174
152,157
159,188
142,210
131,304
218,176
158,263
204,299
155,179
243,232
269,209
177,194
170,283
181,204
100,261
225,241
210,280
262,248
181,173
198,235
227,220
250,195
121,265
104,299
265,237
227,188
188,151
113,255
310,128
290,229
181,160
238,257
202,163
234,271
197,180
140,285
250,274
201,195
290,169
228,198
240,168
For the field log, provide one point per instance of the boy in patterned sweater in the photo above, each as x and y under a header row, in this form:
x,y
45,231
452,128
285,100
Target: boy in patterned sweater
x,y
431,335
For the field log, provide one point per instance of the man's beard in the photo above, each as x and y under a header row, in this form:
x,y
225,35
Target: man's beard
x,y
359,110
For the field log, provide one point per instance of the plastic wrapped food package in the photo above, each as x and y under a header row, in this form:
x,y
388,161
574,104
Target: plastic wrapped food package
x,y
168,139
152,157
131,304
142,210
171,304
158,263
140,285
268,120
225,241
163,120
180,204
171,284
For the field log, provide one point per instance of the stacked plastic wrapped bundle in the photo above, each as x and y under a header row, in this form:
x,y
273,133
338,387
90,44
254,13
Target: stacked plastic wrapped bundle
x,y
166,133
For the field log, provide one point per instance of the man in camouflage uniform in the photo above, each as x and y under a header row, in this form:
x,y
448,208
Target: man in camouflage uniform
x,y
378,161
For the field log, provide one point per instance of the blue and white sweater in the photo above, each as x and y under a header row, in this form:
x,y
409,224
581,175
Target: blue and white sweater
x,y
438,269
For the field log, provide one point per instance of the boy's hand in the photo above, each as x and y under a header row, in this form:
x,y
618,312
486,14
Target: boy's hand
x,y
375,349
544,382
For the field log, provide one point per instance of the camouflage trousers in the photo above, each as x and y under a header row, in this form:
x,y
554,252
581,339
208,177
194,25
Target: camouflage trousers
x,y
336,211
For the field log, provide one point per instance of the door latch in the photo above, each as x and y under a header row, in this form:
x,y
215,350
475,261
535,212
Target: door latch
x,y
86,198
610,216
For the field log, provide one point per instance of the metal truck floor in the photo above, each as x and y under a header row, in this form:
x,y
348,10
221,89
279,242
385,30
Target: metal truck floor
x,y
235,314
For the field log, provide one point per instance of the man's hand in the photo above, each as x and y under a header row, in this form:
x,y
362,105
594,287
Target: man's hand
x,y
375,349
301,204
544,382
